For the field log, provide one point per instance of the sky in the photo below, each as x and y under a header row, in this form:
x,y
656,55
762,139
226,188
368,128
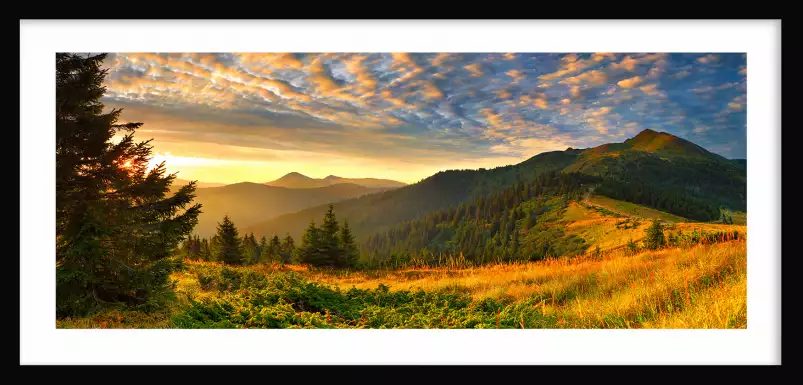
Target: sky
x,y
234,117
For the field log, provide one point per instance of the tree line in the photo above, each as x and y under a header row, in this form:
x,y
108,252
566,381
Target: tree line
x,y
328,245
507,225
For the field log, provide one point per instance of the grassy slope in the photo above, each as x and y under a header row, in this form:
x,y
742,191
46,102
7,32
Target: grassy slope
x,y
633,210
701,287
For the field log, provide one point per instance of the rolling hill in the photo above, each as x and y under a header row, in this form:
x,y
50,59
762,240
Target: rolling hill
x,y
296,180
249,203
654,169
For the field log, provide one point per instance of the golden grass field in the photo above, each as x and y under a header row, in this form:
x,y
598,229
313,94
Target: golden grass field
x,y
704,286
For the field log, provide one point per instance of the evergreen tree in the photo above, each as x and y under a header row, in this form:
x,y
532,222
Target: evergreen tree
x,y
331,251
310,253
252,249
288,249
206,251
229,251
349,245
275,247
263,245
655,236
116,226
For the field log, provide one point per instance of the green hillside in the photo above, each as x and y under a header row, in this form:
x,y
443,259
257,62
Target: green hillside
x,y
653,169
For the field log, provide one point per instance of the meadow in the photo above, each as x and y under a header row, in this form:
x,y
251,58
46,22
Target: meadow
x,y
698,286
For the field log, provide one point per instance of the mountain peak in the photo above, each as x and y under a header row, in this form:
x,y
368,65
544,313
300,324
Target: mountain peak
x,y
330,177
662,142
295,175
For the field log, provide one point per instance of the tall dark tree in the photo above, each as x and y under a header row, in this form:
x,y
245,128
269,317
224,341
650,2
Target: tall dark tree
x,y
275,247
655,236
349,245
310,251
331,252
263,246
251,249
116,227
288,249
229,251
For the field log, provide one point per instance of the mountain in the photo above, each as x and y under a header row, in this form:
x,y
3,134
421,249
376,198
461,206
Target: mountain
x,y
655,169
183,182
248,203
296,180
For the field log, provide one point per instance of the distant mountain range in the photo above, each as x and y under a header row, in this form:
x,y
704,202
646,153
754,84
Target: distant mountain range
x,y
300,181
248,203
183,182
655,169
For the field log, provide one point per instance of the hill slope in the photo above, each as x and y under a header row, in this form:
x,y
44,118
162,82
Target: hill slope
x,y
248,203
296,180
654,169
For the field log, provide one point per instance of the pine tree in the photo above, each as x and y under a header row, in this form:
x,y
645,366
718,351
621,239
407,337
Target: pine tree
x,y
655,236
288,249
252,249
206,252
331,251
116,228
275,248
310,253
263,246
349,246
229,251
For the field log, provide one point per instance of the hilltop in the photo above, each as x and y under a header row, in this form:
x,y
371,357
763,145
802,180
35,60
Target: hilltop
x,y
298,180
654,169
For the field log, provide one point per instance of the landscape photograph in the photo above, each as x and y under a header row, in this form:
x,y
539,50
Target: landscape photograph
x,y
401,190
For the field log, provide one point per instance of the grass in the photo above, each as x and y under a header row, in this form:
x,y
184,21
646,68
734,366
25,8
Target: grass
x,y
632,209
700,287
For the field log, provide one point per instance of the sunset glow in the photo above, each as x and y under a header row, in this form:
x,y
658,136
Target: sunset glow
x,y
234,117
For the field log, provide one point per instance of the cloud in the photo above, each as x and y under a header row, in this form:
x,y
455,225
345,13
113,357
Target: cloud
x,y
516,75
475,69
274,107
628,63
631,82
710,58
593,77
738,103
600,56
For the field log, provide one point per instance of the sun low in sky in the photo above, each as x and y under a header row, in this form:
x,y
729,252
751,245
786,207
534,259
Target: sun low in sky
x,y
232,117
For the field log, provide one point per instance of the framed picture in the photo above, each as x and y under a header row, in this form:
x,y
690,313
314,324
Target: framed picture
x,y
551,191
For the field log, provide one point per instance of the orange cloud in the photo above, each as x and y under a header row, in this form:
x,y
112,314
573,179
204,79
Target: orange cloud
x,y
593,77
475,69
627,63
631,82
710,58
600,56
502,94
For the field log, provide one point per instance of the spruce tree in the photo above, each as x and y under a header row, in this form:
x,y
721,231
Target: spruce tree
x,y
229,251
655,236
349,246
310,252
275,247
331,251
206,252
116,226
263,245
288,249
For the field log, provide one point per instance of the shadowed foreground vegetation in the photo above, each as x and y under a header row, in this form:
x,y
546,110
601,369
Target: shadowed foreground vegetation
x,y
699,287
